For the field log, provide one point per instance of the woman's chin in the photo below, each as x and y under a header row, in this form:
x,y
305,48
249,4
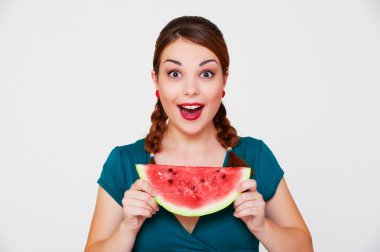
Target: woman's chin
x,y
195,129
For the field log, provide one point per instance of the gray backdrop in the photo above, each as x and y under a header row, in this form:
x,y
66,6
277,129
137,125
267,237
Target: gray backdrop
x,y
75,82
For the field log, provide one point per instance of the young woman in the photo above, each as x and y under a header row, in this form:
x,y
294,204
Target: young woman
x,y
190,127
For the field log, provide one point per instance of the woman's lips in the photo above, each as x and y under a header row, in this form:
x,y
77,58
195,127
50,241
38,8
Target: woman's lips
x,y
190,111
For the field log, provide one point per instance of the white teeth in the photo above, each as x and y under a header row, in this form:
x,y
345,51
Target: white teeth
x,y
191,107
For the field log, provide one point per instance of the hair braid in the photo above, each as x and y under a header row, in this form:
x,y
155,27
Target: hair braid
x,y
227,137
157,129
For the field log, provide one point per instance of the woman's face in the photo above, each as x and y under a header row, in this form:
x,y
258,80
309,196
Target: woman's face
x,y
190,82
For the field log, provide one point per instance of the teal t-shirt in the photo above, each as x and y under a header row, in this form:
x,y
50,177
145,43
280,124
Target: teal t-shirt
x,y
220,231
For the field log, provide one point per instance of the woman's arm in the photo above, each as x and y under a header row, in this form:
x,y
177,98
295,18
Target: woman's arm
x,y
107,231
284,228
277,223
114,228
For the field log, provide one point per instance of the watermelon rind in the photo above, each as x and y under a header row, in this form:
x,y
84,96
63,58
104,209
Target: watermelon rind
x,y
207,209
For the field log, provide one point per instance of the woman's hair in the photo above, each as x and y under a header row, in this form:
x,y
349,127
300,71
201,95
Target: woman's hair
x,y
202,32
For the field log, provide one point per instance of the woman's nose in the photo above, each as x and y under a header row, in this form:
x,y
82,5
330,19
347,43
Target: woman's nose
x,y
191,87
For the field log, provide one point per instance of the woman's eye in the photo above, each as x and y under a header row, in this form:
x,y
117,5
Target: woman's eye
x,y
174,74
207,74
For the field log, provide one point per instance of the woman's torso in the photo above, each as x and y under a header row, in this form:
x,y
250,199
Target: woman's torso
x,y
220,231
213,156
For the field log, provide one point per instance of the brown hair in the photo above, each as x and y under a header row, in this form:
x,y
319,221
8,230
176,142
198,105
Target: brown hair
x,y
202,32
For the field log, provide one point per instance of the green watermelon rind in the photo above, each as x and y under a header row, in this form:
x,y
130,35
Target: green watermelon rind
x,y
207,209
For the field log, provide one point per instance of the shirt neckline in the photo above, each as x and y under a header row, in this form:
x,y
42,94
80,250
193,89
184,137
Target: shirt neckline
x,y
225,161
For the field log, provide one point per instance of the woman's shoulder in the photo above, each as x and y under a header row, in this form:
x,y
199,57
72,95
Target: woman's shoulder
x,y
248,142
253,146
133,151
137,146
248,139
251,149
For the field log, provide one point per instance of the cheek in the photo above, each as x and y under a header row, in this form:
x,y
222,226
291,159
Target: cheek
x,y
215,93
167,94
166,88
168,98
214,100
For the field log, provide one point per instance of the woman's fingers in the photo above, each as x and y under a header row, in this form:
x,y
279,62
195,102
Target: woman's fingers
x,y
251,211
138,204
140,199
249,184
144,191
248,196
249,205
142,185
138,211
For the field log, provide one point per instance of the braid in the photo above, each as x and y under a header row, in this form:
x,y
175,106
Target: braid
x,y
227,137
157,129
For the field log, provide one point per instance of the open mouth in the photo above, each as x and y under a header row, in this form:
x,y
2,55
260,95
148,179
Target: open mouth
x,y
191,111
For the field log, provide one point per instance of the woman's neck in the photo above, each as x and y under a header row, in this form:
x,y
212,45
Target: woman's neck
x,y
182,142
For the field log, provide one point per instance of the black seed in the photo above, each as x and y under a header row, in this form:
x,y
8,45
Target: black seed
x,y
170,170
202,180
170,181
192,187
223,176
217,170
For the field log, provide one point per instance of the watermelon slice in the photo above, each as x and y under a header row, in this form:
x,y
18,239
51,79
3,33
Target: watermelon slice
x,y
194,191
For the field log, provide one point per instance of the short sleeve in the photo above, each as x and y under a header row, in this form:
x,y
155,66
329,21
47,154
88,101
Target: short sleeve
x,y
112,178
270,172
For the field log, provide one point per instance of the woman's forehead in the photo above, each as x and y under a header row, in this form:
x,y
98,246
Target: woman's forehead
x,y
185,51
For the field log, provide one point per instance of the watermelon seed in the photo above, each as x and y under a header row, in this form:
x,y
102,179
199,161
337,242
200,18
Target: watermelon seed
x,y
202,180
170,170
223,176
217,170
192,187
170,181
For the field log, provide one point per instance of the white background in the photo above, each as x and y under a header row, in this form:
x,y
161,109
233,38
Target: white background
x,y
75,82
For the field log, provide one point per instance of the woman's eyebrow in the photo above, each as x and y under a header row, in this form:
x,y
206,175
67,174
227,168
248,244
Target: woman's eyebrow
x,y
207,61
180,64
173,61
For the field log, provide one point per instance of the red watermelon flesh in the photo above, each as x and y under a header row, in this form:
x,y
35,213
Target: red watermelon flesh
x,y
194,191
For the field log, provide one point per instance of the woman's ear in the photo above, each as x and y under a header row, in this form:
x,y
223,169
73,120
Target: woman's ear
x,y
154,78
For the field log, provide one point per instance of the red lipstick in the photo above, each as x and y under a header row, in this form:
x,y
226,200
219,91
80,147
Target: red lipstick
x,y
190,111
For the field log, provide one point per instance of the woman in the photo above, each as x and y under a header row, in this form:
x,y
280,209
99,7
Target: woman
x,y
190,127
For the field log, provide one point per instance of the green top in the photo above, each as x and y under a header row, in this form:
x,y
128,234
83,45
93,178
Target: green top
x,y
220,231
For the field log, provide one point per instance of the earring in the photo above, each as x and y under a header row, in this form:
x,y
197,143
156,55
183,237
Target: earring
x,y
223,93
157,94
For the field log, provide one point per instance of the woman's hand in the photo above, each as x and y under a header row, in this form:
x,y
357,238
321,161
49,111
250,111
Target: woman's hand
x,y
138,204
250,206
